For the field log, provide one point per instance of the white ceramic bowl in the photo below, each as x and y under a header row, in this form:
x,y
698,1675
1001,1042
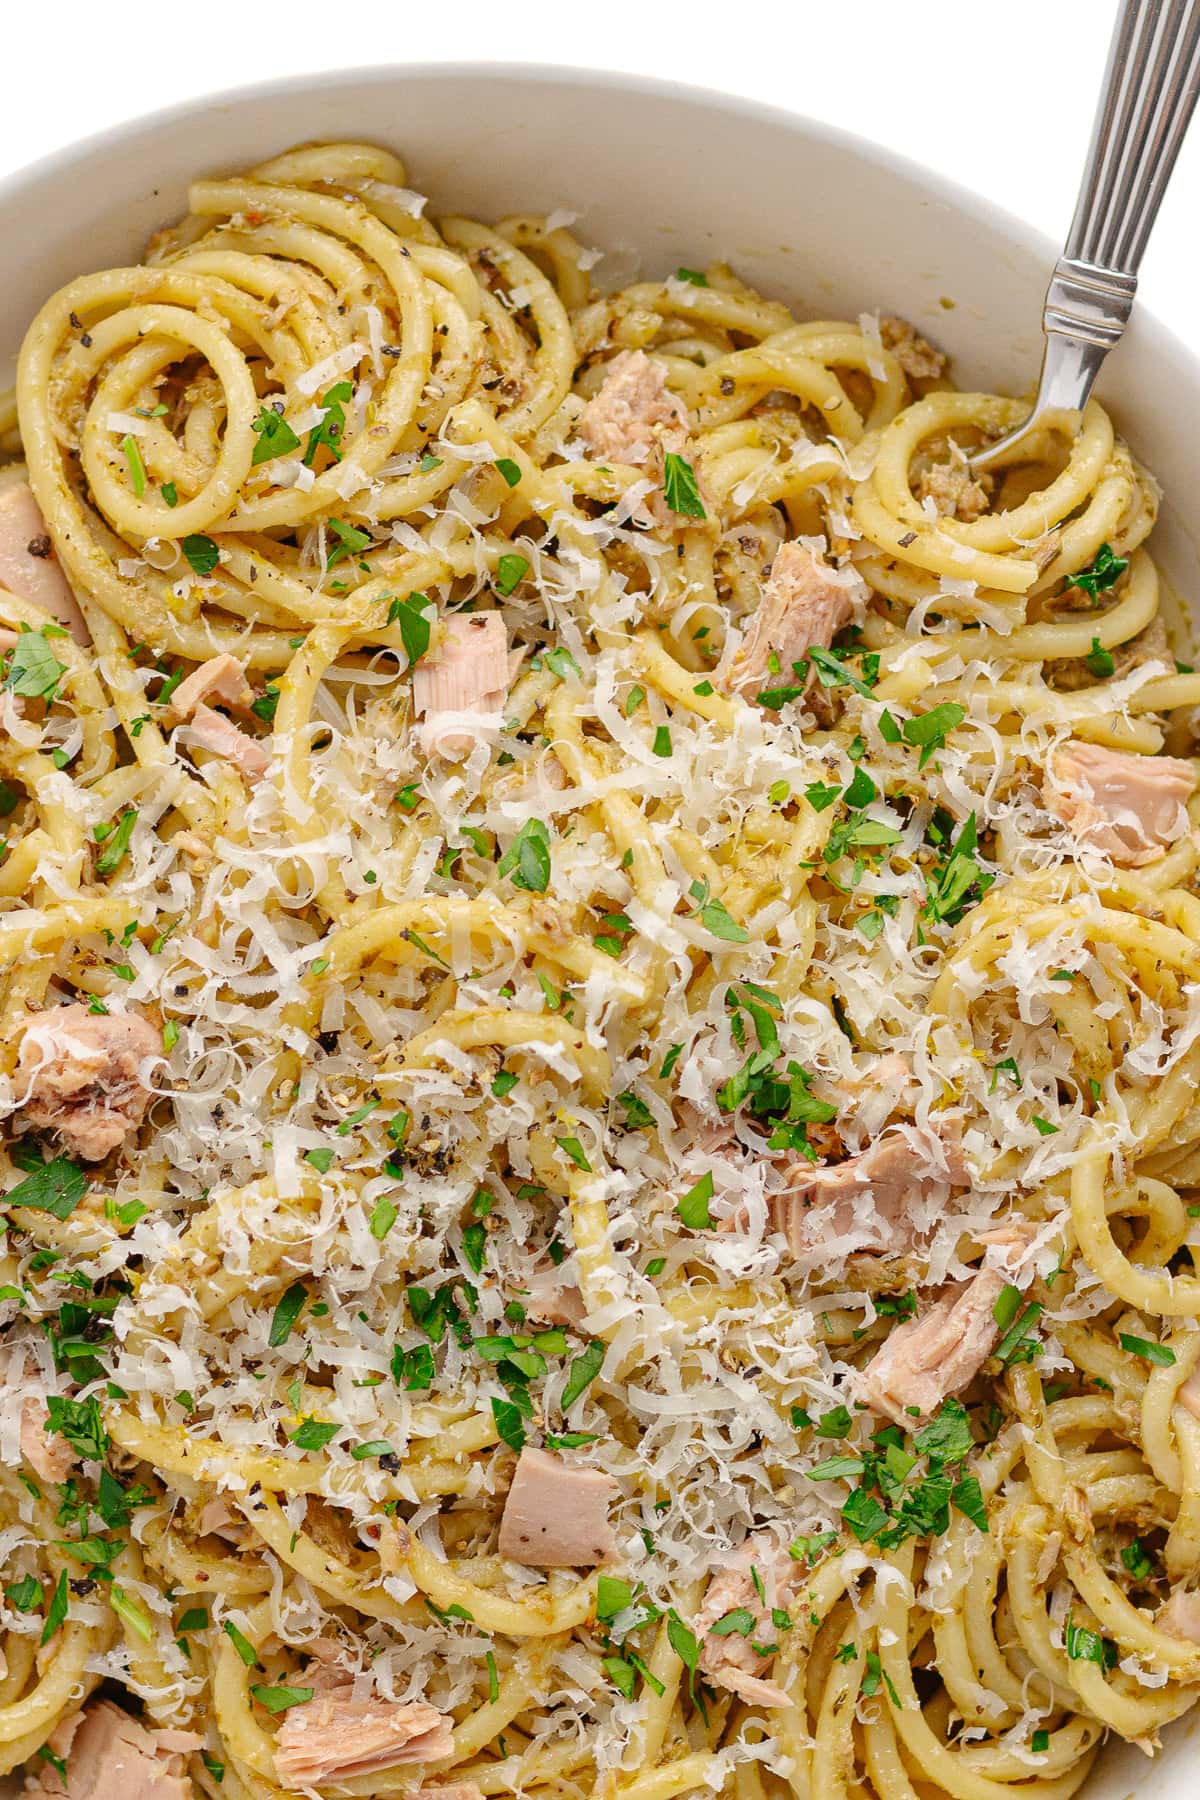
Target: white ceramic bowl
x,y
659,175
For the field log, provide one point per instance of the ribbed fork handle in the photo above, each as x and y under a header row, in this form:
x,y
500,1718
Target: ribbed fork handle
x,y
1151,85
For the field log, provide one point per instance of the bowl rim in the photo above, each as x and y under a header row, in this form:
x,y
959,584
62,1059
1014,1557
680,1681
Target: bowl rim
x,y
1162,342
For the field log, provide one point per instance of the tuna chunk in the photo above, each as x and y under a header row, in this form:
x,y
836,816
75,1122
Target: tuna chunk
x,y
915,354
1189,1394
334,1737
1180,1617
955,492
925,1360
453,1790
549,1300
623,419
110,1756
1011,1241
1125,806
218,1517
84,1074
805,602
28,565
221,678
556,1517
213,731
50,1457
459,690
872,1198
731,1660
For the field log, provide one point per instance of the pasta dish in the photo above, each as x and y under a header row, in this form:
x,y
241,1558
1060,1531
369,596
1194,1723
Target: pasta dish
x,y
601,1023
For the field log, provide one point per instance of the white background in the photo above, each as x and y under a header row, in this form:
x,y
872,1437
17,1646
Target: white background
x,y
998,96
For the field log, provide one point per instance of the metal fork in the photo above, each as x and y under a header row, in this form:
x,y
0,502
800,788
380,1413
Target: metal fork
x,y
1151,85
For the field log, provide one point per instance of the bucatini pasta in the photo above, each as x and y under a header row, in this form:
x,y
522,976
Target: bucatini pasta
x,y
601,1031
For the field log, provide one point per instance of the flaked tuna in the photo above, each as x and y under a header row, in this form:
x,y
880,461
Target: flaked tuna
x,y
730,1657
28,565
870,1201
1180,1617
50,1457
460,688
805,603
334,1737
1189,1394
549,1300
1127,807
82,1075
919,359
633,411
213,731
927,1359
111,1756
222,679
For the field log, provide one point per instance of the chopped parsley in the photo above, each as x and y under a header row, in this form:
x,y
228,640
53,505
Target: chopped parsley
x,y
821,794
527,858
275,436
328,432
201,552
958,879
351,541
1007,1067
34,671
313,1434
931,729
80,1424
576,1152
287,1311
1019,1342
137,468
681,488
507,1416
1135,1557
1161,1355
26,1595
1103,572
560,662
279,1699
58,1608
582,1371
1099,660
510,572
714,916
637,1114
54,1187
412,617
1088,1646
692,1210
907,1492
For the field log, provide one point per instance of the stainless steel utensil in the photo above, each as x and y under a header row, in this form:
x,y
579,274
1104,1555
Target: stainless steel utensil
x,y
1151,85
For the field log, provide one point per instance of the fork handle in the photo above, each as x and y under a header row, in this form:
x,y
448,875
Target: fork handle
x,y
1151,86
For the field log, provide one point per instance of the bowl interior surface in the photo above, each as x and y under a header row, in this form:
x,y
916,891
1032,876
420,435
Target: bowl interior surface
x,y
659,176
